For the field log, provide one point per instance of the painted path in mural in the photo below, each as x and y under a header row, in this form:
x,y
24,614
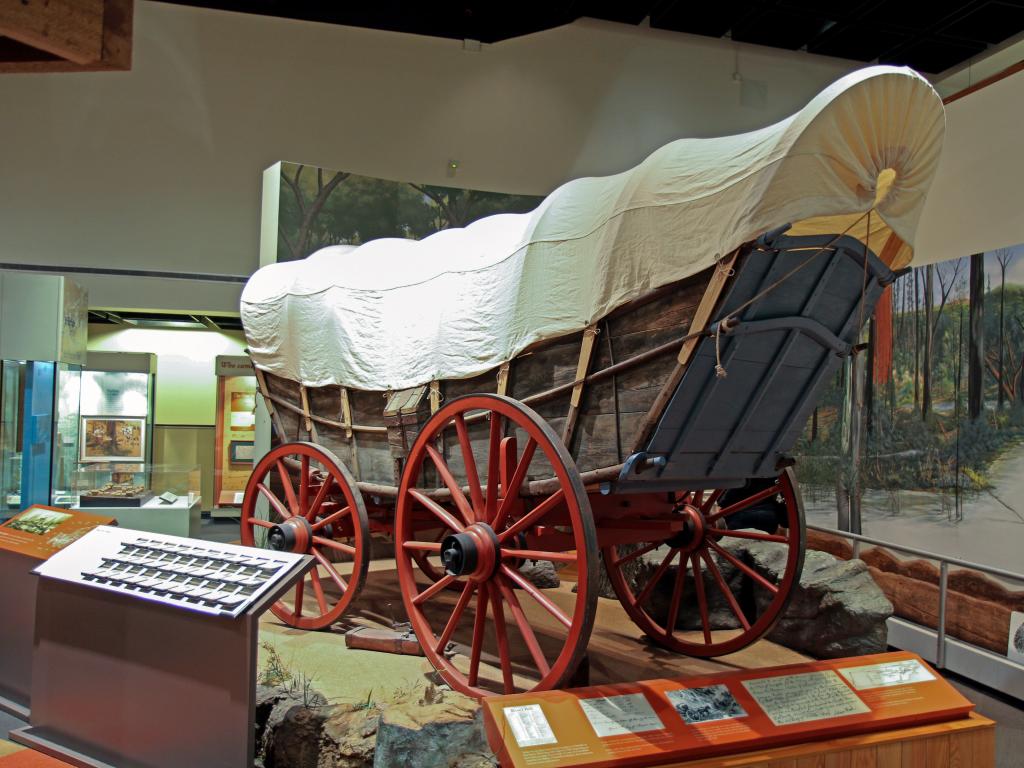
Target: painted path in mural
x,y
991,532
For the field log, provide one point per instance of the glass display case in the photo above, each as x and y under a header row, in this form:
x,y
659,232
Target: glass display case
x,y
156,486
38,433
117,405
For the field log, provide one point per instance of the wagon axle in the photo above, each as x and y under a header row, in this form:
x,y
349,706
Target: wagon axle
x,y
475,552
291,535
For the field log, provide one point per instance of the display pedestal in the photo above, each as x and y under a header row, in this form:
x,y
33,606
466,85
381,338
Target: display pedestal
x,y
666,722
177,519
956,744
119,682
17,607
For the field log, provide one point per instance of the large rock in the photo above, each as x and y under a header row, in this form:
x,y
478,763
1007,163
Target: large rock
x,y
291,734
540,573
447,732
349,737
836,610
639,571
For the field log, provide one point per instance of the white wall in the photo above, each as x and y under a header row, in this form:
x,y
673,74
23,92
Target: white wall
x,y
976,204
159,167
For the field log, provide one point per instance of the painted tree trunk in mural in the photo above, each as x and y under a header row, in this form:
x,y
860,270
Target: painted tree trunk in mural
x,y
976,340
926,365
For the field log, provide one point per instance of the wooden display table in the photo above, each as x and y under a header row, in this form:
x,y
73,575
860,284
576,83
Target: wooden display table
x,y
967,743
819,713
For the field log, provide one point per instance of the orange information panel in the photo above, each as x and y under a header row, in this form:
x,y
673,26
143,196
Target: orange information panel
x,y
41,531
658,721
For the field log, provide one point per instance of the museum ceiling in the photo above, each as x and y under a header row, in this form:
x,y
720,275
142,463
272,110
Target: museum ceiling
x,y
886,31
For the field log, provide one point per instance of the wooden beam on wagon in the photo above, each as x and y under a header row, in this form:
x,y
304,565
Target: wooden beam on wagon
x,y
701,318
282,403
268,400
503,379
310,427
582,366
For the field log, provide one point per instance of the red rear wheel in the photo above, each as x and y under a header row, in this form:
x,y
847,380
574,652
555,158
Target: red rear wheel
x,y
312,507
490,528
704,549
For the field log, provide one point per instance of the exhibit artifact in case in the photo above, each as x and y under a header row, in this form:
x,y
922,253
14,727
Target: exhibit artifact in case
x,y
614,380
135,485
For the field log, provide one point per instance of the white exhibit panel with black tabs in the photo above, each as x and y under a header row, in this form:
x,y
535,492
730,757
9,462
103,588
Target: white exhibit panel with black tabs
x,y
158,629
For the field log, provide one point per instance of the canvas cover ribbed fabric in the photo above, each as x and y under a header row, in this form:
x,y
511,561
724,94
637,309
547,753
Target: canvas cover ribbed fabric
x,y
394,313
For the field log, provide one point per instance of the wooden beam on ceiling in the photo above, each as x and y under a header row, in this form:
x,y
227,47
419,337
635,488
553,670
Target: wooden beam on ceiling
x,y
65,35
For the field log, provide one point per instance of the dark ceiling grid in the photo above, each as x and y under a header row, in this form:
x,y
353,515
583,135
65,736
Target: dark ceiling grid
x,y
931,38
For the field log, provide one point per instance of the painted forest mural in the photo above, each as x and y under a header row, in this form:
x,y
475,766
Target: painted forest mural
x,y
924,431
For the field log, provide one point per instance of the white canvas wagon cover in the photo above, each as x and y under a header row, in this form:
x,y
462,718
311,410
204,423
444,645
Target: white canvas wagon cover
x,y
395,313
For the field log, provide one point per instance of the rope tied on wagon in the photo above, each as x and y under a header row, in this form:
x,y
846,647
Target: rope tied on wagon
x,y
733,316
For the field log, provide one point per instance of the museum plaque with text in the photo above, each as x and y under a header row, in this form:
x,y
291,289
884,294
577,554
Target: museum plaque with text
x,y
656,721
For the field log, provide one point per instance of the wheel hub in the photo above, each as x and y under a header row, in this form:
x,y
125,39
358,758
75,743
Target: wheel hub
x,y
475,552
691,537
291,535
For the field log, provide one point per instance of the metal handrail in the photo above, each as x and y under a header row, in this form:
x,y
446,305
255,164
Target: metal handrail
x,y
944,563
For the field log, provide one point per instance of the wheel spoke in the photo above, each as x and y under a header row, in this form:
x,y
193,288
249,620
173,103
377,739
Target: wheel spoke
x,y
318,590
537,595
493,457
274,501
433,589
757,577
453,621
755,535
453,486
260,523
724,588
439,512
335,545
472,477
629,557
529,637
335,576
422,546
289,489
479,624
677,596
532,517
534,554
299,594
744,503
501,634
656,576
706,504
510,494
304,485
702,600
331,518
318,500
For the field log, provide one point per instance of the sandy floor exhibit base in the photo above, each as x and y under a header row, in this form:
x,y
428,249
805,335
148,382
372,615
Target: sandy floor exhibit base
x,y
617,650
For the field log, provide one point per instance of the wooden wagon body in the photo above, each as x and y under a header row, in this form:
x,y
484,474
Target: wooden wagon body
x,y
650,449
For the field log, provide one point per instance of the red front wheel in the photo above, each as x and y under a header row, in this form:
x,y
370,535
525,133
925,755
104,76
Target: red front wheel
x,y
484,626
678,589
301,498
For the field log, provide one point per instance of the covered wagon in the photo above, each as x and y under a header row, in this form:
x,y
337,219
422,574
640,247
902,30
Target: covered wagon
x,y
614,381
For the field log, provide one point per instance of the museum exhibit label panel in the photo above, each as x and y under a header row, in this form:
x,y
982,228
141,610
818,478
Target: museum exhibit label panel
x,y
656,721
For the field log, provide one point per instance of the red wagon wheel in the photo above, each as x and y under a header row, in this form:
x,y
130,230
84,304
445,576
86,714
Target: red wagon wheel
x,y
321,514
490,529
765,511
